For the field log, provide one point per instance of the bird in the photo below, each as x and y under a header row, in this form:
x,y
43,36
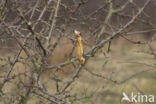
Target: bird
x,y
79,47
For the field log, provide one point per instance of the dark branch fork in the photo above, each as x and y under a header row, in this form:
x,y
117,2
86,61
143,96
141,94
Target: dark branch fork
x,y
28,23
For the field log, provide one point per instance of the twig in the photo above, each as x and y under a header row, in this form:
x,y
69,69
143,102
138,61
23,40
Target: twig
x,y
53,24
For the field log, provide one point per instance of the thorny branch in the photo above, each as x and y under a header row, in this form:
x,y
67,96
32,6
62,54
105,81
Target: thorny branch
x,y
43,31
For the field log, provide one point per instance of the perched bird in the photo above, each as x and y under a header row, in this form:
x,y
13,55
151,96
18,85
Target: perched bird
x,y
79,47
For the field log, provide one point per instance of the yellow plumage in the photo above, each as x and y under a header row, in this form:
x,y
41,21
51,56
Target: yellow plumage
x,y
80,47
